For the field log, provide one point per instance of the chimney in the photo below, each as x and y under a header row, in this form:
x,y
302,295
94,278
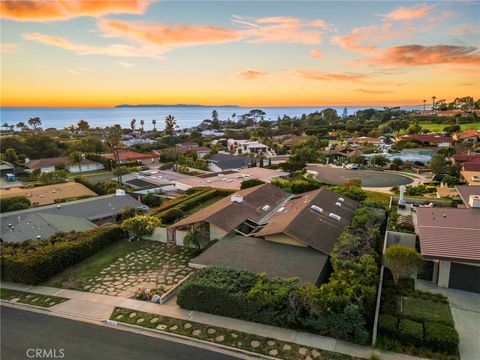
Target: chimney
x,y
474,201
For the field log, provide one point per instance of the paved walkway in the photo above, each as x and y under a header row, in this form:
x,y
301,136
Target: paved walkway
x,y
99,307
465,308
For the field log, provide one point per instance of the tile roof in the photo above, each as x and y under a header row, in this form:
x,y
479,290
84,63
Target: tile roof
x,y
258,255
432,138
461,158
297,219
449,233
132,156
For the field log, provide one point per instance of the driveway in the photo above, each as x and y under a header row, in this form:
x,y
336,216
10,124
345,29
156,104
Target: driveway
x,y
465,308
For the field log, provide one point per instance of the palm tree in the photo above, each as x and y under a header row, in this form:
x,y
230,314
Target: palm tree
x,y
154,123
76,157
424,102
433,102
170,127
132,124
6,126
141,124
113,138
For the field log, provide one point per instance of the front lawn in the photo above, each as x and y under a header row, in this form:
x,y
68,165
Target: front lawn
x,y
426,310
440,127
125,267
23,297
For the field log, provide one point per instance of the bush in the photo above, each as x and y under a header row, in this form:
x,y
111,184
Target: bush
x,y
140,225
441,338
250,183
387,325
166,166
14,203
34,261
152,200
172,215
53,177
410,332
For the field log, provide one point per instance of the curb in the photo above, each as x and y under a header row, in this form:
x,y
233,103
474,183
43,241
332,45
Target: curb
x,y
183,337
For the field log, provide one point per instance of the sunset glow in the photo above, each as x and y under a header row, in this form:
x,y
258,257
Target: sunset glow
x,y
105,53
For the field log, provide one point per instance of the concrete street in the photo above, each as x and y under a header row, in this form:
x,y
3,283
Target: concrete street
x,y
22,330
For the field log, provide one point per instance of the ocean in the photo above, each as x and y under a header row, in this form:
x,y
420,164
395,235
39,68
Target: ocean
x,y
186,116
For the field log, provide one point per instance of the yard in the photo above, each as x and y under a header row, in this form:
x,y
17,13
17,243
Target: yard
x,y
440,127
123,268
426,310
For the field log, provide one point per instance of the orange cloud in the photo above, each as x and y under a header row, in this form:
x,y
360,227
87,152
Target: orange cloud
x,y
329,76
165,37
8,48
373,92
109,50
251,74
316,54
417,55
48,10
409,13
281,29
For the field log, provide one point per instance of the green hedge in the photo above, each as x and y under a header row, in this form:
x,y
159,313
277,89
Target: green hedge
x,y
14,203
387,324
34,261
441,338
410,332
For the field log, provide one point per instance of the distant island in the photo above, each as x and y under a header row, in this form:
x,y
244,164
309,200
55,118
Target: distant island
x,y
176,105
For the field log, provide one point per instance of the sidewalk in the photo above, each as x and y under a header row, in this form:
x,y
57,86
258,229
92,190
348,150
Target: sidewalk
x,y
99,308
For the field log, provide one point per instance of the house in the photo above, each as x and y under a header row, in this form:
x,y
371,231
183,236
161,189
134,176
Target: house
x,y
470,137
51,164
425,151
49,194
132,156
450,238
264,228
367,140
222,162
248,147
472,178
80,215
181,149
6,168
429,139
468,194
459,158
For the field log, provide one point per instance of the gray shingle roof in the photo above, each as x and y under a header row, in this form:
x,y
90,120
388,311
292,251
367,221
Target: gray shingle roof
x,y
258,255
227,161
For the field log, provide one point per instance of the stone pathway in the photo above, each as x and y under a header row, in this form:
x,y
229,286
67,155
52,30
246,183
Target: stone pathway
x,y
152,267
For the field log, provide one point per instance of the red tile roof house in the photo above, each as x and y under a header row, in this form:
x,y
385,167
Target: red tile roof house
x,y
467,136
50,164
430,139
451,239
130,156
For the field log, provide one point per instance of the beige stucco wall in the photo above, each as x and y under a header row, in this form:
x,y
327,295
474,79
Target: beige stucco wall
x,y
284,239
443,273
160,234
216,232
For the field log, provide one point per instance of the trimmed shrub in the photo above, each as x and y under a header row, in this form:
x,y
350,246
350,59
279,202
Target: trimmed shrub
x,y
34,261
14,203
441,338
410,332
250,183
387,324
172,215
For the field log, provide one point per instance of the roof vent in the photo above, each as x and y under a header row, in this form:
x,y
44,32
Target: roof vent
x,y
316,209
120,192
341,200
339,204
266,208
335,216
39,237
236,198
281,209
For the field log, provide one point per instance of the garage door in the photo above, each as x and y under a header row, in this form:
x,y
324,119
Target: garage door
x,y
464,277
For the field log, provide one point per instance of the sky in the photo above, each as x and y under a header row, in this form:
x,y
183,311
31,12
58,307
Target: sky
x,y
101,53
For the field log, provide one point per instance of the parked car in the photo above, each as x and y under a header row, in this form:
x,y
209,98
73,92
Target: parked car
x,y
351,166
438,177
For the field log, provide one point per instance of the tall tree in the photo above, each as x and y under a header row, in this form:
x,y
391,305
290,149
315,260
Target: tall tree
x,y
215,122
76,158
401,260
170,127
21,125
132,124
154,123
142,123
113,138
424,104
6,126
35,122
433,102
83,125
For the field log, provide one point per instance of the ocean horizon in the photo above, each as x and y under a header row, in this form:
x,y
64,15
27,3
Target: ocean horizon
x,y
186,116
